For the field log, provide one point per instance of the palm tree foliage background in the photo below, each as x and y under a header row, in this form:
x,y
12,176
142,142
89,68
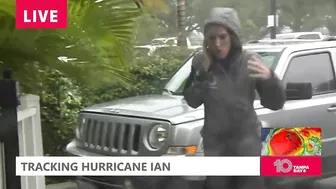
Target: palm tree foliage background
x,y
96,43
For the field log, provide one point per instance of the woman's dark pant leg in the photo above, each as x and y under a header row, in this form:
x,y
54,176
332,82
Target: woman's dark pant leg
x,y
249,145
248,182
215,147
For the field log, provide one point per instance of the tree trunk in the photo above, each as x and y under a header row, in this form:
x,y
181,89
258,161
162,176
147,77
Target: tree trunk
x,y
181,23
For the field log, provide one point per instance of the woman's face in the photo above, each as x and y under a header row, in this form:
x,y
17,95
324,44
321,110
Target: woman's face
x,y
218,41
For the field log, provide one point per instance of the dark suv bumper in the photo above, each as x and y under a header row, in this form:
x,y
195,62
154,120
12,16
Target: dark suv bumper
x,y
136,183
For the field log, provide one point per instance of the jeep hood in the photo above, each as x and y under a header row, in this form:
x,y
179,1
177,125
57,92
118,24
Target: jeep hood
x,y
163,107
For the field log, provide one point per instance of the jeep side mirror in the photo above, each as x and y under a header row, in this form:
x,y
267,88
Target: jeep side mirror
x,y
299,91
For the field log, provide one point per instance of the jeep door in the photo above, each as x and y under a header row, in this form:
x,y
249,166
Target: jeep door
x,y
316,67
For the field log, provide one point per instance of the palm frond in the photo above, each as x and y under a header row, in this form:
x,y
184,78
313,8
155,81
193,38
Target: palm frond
x,y
97,40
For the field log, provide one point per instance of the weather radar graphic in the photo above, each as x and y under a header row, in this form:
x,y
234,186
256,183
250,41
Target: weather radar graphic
x,y
299,141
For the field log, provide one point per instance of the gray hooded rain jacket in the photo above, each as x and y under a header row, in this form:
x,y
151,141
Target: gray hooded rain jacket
x,y
231,126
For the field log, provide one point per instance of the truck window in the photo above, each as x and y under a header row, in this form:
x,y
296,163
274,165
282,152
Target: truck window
x,y
270,58
177,82
314,68
309,36
171,42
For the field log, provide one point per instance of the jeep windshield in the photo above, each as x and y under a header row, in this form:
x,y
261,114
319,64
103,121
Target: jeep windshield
x,y
176,83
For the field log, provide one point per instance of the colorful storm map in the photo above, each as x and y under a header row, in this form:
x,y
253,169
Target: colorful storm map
x,y
303,141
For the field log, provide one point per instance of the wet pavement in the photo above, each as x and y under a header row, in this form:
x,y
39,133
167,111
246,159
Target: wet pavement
x,y
329,183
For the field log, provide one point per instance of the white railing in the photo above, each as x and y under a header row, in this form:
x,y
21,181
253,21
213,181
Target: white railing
x,y
30,139
2,167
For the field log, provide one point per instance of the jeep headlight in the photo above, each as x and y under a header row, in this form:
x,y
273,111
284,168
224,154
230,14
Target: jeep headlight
x,y
157,136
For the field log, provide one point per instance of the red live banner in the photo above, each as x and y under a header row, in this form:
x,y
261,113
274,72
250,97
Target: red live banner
x,y
291,166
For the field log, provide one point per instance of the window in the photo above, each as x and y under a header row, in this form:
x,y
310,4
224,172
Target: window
x,y
285,36
177,82
157,42
171,42
196,42
270,58
314,68
309,36
139,51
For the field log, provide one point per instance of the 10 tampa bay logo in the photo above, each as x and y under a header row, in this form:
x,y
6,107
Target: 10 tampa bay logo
x,y
286,166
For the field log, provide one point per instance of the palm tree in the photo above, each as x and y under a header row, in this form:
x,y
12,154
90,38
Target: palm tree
x,y
96,43
153,6
181,22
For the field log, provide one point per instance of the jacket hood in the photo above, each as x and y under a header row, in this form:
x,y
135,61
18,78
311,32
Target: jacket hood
x,y
226,17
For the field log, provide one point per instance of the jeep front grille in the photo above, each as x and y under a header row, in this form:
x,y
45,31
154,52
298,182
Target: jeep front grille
x,y
113,135
117,137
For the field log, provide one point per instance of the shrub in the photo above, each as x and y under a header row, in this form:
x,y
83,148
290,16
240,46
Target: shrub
x,y
60,103
149,73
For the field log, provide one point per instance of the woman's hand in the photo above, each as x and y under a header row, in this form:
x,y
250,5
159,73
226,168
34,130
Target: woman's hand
x,y
258,68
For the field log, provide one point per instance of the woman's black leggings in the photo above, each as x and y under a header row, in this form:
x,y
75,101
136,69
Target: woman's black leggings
x,y
222,146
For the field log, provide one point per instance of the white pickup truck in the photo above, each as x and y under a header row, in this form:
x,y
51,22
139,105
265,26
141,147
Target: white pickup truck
x,y
301,35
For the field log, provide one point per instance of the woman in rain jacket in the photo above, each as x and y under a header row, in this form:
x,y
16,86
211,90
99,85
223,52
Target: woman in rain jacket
x,y
224,78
